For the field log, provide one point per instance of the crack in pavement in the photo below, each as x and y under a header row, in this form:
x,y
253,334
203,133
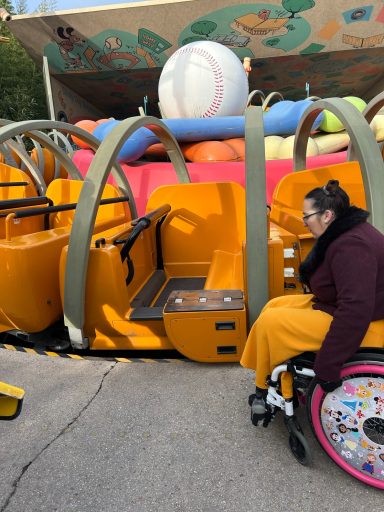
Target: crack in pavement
x,y
16,482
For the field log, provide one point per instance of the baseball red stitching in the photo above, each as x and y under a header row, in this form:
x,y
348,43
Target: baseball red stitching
x,y
217,78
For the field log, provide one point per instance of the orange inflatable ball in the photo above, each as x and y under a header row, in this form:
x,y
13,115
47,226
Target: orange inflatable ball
x,y
101,121
86,125
156,152
188,149
210,151
238,146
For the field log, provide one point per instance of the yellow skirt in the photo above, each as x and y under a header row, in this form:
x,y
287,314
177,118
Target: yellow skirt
x,y
288,326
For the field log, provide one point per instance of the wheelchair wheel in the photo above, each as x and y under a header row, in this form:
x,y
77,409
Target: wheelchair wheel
x,y
349,422
298,443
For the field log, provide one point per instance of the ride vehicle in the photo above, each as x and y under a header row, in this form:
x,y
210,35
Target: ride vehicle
x,y
182,275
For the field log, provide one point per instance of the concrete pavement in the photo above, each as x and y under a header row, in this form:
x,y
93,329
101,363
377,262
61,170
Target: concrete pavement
x,y
103,436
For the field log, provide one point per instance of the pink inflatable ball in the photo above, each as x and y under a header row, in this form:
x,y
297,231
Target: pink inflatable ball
x,y
86,125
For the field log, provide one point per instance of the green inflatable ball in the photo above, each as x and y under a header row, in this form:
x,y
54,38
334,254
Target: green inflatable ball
x,y
331,123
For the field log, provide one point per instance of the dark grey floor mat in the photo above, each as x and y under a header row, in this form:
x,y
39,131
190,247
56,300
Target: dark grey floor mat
x,y
179,283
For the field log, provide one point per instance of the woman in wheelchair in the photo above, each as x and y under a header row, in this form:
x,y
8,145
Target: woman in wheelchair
x,y
344,273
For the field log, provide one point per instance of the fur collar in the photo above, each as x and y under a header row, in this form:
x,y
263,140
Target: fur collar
x,y
349,220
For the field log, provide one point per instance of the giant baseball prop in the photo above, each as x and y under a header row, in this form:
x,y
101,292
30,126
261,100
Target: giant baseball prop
x,y
203,79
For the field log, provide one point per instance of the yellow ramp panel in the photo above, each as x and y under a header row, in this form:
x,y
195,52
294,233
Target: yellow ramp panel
x,y
11,399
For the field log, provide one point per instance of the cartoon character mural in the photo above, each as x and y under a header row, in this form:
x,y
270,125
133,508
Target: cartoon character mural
x,y
242,26
69,40
108,50
111,53
254,30
282,27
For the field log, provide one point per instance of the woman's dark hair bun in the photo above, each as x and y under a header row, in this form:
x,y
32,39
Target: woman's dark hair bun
x,y
330,197
331,188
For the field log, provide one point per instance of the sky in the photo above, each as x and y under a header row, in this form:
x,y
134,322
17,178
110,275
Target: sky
x,y
78,4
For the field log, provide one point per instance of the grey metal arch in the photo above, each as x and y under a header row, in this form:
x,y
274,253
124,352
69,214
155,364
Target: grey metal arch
x,y
40,139
256,213
40,156
56,137
373,107
365,147
254,93
19,140
369,113
28,127
269,97
84,220
29,164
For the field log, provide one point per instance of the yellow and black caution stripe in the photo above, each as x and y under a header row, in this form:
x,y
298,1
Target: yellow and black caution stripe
x,y
38,352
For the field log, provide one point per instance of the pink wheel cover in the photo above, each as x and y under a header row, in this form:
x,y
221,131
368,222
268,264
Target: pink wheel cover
x,y
315,408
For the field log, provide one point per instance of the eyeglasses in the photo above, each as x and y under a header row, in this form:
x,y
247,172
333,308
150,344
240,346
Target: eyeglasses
x,y
306,217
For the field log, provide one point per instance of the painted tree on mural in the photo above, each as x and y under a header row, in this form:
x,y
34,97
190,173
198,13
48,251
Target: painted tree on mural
x,y
204,27
295,6
22,91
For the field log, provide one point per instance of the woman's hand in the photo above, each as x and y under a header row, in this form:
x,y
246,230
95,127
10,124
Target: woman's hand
x,y
328,385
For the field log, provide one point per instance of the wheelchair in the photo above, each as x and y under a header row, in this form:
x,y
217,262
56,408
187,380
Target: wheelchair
x,y
348,422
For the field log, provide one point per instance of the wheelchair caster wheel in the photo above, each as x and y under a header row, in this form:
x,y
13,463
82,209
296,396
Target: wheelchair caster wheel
x,y
258,411
298,443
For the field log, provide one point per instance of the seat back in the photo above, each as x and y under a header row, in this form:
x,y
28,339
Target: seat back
x,y
63,191
48,171
204,218
14,185
287,200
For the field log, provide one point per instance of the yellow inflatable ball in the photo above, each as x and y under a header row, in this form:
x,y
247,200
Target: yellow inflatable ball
x,y
272,144
286,148
331,123
377,126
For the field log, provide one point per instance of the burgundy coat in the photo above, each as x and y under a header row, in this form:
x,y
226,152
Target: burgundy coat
x,y
345,272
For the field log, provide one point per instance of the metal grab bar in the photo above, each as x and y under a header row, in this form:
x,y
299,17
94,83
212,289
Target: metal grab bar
x,y
65,207
7,204
139,225
14,184
50,209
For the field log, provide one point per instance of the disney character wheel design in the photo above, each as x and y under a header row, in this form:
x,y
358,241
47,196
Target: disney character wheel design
x,y
349,422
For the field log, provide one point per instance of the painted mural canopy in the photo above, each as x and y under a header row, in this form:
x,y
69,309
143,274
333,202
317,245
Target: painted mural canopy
x,y
111,58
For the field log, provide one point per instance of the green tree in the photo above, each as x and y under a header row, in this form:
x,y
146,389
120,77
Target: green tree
x,y
295,6
192,40
22,94
21,6
46,6
203,27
